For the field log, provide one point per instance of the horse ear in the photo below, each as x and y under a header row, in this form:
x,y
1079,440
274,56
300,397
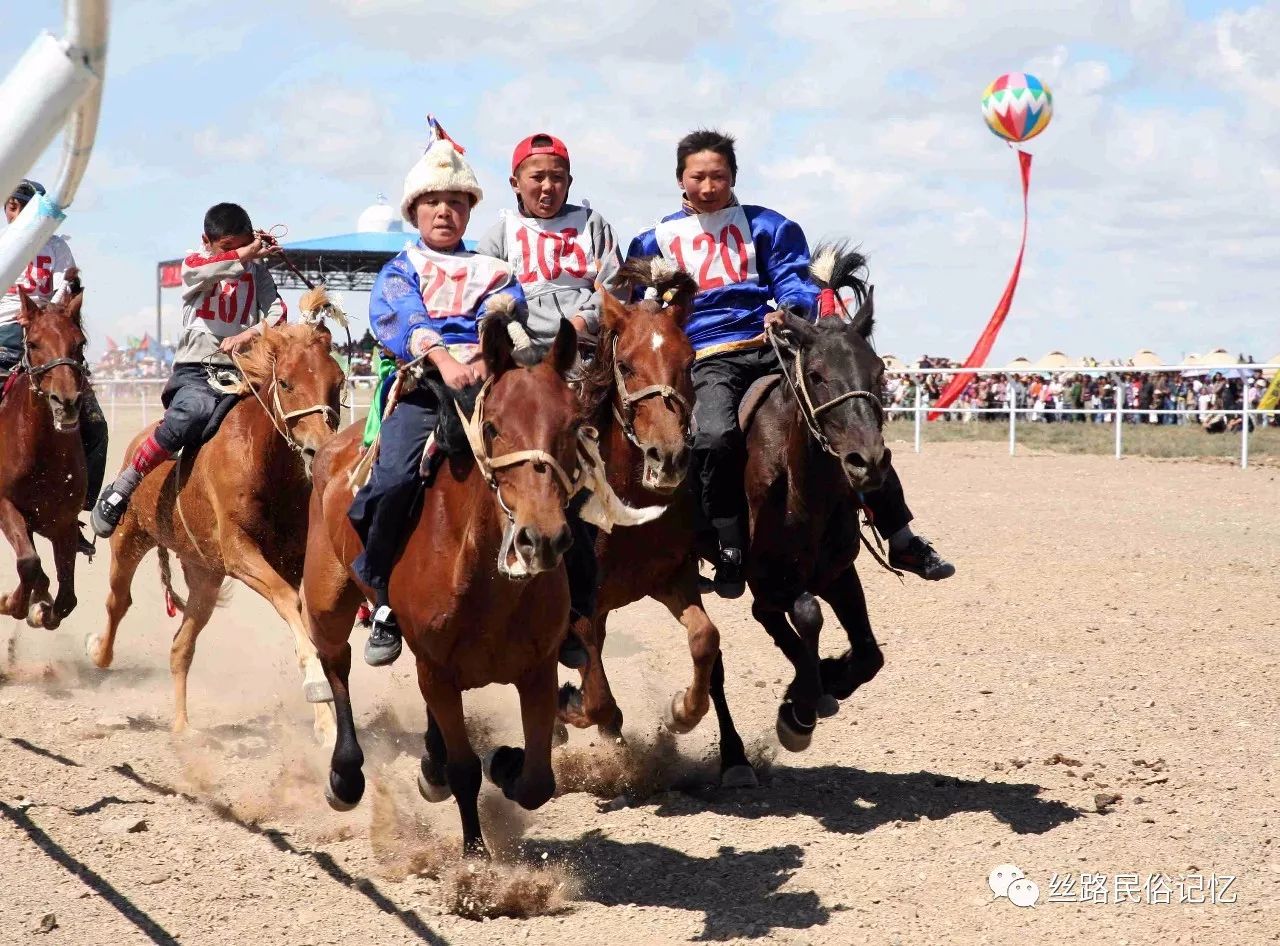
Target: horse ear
x,y
73,308
496,345
612,312
564,350
864,320
795,331
322,332
27,310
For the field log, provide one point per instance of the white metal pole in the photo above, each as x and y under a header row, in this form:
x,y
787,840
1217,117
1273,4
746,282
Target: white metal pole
x,y
1013,420
1119,399
919,400
1244,427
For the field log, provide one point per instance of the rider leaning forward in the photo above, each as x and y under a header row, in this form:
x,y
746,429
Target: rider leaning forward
x,y
228,298
750,262
51,277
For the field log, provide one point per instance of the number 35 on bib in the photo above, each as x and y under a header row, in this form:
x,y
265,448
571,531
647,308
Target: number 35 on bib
x,y
716,249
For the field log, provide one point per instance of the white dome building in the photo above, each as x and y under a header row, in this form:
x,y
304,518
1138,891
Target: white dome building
x,y
380,217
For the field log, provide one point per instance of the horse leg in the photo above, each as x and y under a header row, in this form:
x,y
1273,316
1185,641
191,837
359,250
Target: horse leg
x,y
128,546
594,703
525,775
797,716
65,548
735,769
863,660
433,782
690,705
462,768
806,618
254,570
14,526
345,785
202,598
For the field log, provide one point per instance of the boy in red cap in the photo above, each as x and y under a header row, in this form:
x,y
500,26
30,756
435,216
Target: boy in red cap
x,y
559,250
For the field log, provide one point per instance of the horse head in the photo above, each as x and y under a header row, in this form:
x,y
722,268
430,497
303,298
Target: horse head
x,y
836,373
525,435
294,374
643,362
53,355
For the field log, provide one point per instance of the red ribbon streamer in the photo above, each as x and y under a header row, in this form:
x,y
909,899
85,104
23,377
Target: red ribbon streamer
x,y
988,337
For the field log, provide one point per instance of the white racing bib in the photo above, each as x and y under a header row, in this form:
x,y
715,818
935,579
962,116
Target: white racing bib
x,y
554,253
453,284
716,249
227,309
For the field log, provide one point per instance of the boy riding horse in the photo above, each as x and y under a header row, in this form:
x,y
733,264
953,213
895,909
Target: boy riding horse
x,y
52,276
744,257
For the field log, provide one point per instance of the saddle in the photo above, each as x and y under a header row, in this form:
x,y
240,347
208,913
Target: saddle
x,y
219,415
755,396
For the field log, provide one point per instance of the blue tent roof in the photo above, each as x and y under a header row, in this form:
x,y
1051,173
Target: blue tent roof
x,y
389,243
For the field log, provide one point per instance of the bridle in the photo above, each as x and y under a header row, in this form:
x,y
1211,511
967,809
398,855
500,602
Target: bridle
x,y
490,465
624,408
36,372
279,417
810,412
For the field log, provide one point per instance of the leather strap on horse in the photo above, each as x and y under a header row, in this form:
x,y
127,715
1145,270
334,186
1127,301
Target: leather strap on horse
x,y
624,408
808,411
474,427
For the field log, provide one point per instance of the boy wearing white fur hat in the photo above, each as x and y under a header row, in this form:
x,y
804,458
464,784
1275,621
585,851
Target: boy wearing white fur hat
x,y
426,302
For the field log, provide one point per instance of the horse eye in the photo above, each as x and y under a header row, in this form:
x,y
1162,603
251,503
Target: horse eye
x,y
284,385
625,369
815,378
490,432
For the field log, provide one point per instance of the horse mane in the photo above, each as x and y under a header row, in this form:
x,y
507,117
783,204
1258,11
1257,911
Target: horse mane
x,y
258,363
838,266
597,378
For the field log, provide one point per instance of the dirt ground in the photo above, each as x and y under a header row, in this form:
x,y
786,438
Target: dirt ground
x,y
1112,630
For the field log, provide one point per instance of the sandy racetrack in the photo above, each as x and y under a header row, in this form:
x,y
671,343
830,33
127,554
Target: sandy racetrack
x,y
1112,630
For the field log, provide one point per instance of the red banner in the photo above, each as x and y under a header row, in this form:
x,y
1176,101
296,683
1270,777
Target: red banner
x,y
171,275
988,337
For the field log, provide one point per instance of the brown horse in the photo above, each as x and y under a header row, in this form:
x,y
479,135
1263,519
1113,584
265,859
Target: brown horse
x,y
640,395
239,508
42,470
467,624
813,445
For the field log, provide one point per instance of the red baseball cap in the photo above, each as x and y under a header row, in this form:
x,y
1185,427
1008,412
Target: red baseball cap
x,y
526,149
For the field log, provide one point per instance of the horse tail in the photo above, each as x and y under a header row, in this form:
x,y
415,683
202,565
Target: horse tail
x,y
173,602
838,266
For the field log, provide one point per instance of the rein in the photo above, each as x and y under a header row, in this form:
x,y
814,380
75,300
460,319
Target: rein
x,y
276,409
624,407
810,412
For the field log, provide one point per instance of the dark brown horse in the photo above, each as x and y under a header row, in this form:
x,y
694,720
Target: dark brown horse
x,y
239,508
639,394
467,622
42,468
813,444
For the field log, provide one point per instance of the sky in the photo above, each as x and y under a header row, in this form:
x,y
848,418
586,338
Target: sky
x,y
1155,192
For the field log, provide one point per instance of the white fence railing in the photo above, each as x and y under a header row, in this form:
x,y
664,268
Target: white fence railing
x,y
143,395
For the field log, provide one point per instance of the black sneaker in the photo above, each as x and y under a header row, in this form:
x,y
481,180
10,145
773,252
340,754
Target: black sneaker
x,y
108,511
384,644
730,580
920,558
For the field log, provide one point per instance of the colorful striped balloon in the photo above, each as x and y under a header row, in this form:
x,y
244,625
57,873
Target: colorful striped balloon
x,y
1017,106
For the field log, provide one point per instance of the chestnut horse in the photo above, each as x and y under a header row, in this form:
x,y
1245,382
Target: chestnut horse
x,y
816,442
42,467
467,624
239,508
639,394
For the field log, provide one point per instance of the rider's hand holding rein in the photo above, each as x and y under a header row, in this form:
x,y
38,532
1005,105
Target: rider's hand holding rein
x,y
775,320
455,374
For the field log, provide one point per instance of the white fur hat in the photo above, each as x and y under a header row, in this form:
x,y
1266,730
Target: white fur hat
x,y
442,168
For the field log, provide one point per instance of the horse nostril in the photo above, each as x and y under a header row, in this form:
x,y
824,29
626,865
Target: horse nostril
x,y
856,460
681,460
651,455
524,541
562,542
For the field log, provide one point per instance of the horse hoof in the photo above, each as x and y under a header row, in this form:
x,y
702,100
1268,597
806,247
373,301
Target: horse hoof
x,y
794,735
739,776
38,613
93,649
559,734
432,793
318,691
827,706
333,794
502,765
671,720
